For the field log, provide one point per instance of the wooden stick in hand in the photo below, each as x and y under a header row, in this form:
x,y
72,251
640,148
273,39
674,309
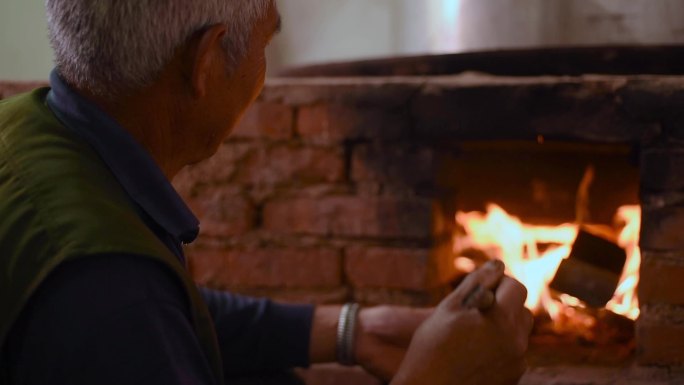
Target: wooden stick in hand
x,y
480,298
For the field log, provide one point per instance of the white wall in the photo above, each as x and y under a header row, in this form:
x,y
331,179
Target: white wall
x,y
25,52
328,30
491,24
331,30
316,31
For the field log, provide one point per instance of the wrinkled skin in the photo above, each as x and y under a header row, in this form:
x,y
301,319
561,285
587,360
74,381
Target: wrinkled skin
x,y
450,344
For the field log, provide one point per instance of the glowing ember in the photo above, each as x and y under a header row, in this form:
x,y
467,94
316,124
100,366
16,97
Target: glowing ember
x,y
533,254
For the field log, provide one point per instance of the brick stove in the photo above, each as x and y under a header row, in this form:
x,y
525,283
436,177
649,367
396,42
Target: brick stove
x,y
344,187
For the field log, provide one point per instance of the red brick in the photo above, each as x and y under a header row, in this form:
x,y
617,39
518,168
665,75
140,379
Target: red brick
x,y
390,93
344,216
399,268
660,169
268,268
316,296
569,374
662,228
448,109
220,168
186,183
9,89
285,164
661,281
660,343
335,123
266,120
392,163
223,213
377,296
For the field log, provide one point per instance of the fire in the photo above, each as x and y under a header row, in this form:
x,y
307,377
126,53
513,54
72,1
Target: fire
x,y
533,254
625,301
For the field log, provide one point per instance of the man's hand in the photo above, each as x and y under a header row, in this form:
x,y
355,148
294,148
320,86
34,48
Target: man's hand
x,y
383,335
451,344
457,345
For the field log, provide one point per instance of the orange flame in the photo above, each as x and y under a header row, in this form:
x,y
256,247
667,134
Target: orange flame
x,y
518,245
625,301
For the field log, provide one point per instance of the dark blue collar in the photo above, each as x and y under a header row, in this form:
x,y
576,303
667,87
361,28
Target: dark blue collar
x,y
130,163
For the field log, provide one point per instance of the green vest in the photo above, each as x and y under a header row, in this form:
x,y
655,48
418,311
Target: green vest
x,y
59,202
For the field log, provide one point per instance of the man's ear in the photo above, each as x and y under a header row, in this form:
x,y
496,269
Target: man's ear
x,y
207,57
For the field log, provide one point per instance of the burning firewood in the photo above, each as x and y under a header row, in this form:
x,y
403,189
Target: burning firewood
x,y
593,269
534,253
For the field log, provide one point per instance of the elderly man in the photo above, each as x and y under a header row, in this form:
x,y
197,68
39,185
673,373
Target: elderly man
x,y
93,288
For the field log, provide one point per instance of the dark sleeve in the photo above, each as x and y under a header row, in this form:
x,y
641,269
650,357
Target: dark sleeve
x,y
107,320
258,335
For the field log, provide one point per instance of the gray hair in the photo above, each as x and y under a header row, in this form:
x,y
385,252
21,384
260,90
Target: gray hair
x,y
111,46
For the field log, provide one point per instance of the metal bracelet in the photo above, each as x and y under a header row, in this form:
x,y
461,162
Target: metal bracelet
x,y
346,329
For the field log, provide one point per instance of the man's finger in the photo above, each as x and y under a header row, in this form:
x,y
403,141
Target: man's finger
x,y
487,277
529,321
480,298
511,294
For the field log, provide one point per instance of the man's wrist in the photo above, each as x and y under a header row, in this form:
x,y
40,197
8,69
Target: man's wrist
x,y
322,345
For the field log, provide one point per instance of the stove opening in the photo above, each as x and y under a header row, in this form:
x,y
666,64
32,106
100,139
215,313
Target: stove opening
x,y
565,219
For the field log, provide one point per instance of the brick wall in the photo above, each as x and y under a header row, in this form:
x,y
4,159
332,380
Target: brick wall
x,y
332,189
660,330
315,197
661,292
349,205
329,191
